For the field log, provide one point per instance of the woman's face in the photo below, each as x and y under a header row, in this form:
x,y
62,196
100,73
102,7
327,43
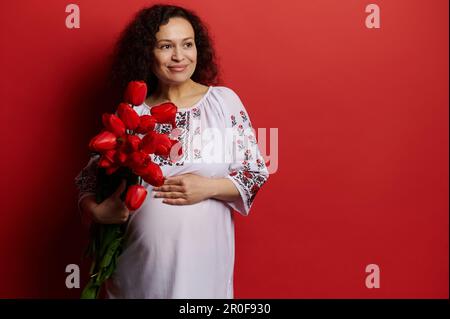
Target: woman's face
x,y
175,47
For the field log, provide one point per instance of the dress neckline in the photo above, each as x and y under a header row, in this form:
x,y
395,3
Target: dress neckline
x,y
184,109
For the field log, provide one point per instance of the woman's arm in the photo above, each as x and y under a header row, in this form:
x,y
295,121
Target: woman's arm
x,y
223,189
111,211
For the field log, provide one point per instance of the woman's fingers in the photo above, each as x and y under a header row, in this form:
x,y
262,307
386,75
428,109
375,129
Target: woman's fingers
x,y
174,180
177,201
124,217
170,195
170,188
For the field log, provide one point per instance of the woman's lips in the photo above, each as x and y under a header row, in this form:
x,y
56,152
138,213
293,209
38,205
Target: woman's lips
x,y
177,69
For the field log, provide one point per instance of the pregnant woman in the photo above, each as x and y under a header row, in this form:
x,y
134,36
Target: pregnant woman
x,y
180,242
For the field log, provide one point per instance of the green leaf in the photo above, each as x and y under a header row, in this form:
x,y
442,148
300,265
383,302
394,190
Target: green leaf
x,y
106,241
112,250
90,291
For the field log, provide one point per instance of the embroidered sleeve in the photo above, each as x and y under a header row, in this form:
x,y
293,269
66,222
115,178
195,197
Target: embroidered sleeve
x,y
86,179
247,169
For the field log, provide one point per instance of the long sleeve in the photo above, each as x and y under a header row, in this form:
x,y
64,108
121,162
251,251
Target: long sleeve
x,y
247,169
86,180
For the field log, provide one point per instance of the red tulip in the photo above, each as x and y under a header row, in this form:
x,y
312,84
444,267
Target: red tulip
x,y
135,196
104,162
165,145
103,141
156,143
142,170
148,144
110,155
123,144
121,157
165,113
137,159
136,92
107,159
113,124
178,144
128,116
134,142
163,149
112,169
147,124
155,176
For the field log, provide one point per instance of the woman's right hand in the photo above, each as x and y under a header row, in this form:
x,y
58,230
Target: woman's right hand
x,y
112,210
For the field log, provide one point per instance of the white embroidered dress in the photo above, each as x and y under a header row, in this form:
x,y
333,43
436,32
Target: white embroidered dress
x,y
187,251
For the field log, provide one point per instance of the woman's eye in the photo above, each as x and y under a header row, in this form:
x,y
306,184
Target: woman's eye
x,y
169,45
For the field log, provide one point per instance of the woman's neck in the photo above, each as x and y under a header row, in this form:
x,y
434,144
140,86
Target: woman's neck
x,y
168,92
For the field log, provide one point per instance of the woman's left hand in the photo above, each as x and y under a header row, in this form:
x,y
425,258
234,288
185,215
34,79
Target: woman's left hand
x,y
186,189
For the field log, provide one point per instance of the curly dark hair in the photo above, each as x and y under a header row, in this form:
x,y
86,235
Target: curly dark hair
x,y
132,57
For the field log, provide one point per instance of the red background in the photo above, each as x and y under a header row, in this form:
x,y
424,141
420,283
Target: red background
x,y
362,116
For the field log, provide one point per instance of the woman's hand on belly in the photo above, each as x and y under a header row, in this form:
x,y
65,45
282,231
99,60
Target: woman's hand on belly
x,y
186,189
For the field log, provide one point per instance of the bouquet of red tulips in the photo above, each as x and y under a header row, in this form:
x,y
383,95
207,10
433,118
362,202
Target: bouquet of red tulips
x,y
125,145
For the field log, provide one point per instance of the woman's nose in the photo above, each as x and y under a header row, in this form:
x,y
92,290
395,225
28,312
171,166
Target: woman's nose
x,y
177,54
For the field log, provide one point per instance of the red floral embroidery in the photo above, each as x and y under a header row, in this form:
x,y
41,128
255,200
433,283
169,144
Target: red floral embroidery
x,y
247,174
243,115
233,121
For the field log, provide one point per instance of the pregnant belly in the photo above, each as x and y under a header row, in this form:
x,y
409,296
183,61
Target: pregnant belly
x,y
156,221
178,247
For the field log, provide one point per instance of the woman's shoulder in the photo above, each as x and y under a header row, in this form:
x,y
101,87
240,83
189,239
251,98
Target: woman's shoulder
x,y
228,104
226,97
225,91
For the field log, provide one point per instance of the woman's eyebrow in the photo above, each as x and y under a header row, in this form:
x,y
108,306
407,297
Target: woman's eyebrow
x,y
171,40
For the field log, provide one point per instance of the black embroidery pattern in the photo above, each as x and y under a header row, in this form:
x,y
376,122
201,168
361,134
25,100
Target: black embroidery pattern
x,y
261,165
197,154
233,121
241,145
182,121
245,118
250,174
248,155
243,115
163,128
250,182
196,112
86,180
240,130
252,140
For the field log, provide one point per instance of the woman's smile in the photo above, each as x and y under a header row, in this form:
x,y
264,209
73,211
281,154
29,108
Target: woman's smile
x,y
178,68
